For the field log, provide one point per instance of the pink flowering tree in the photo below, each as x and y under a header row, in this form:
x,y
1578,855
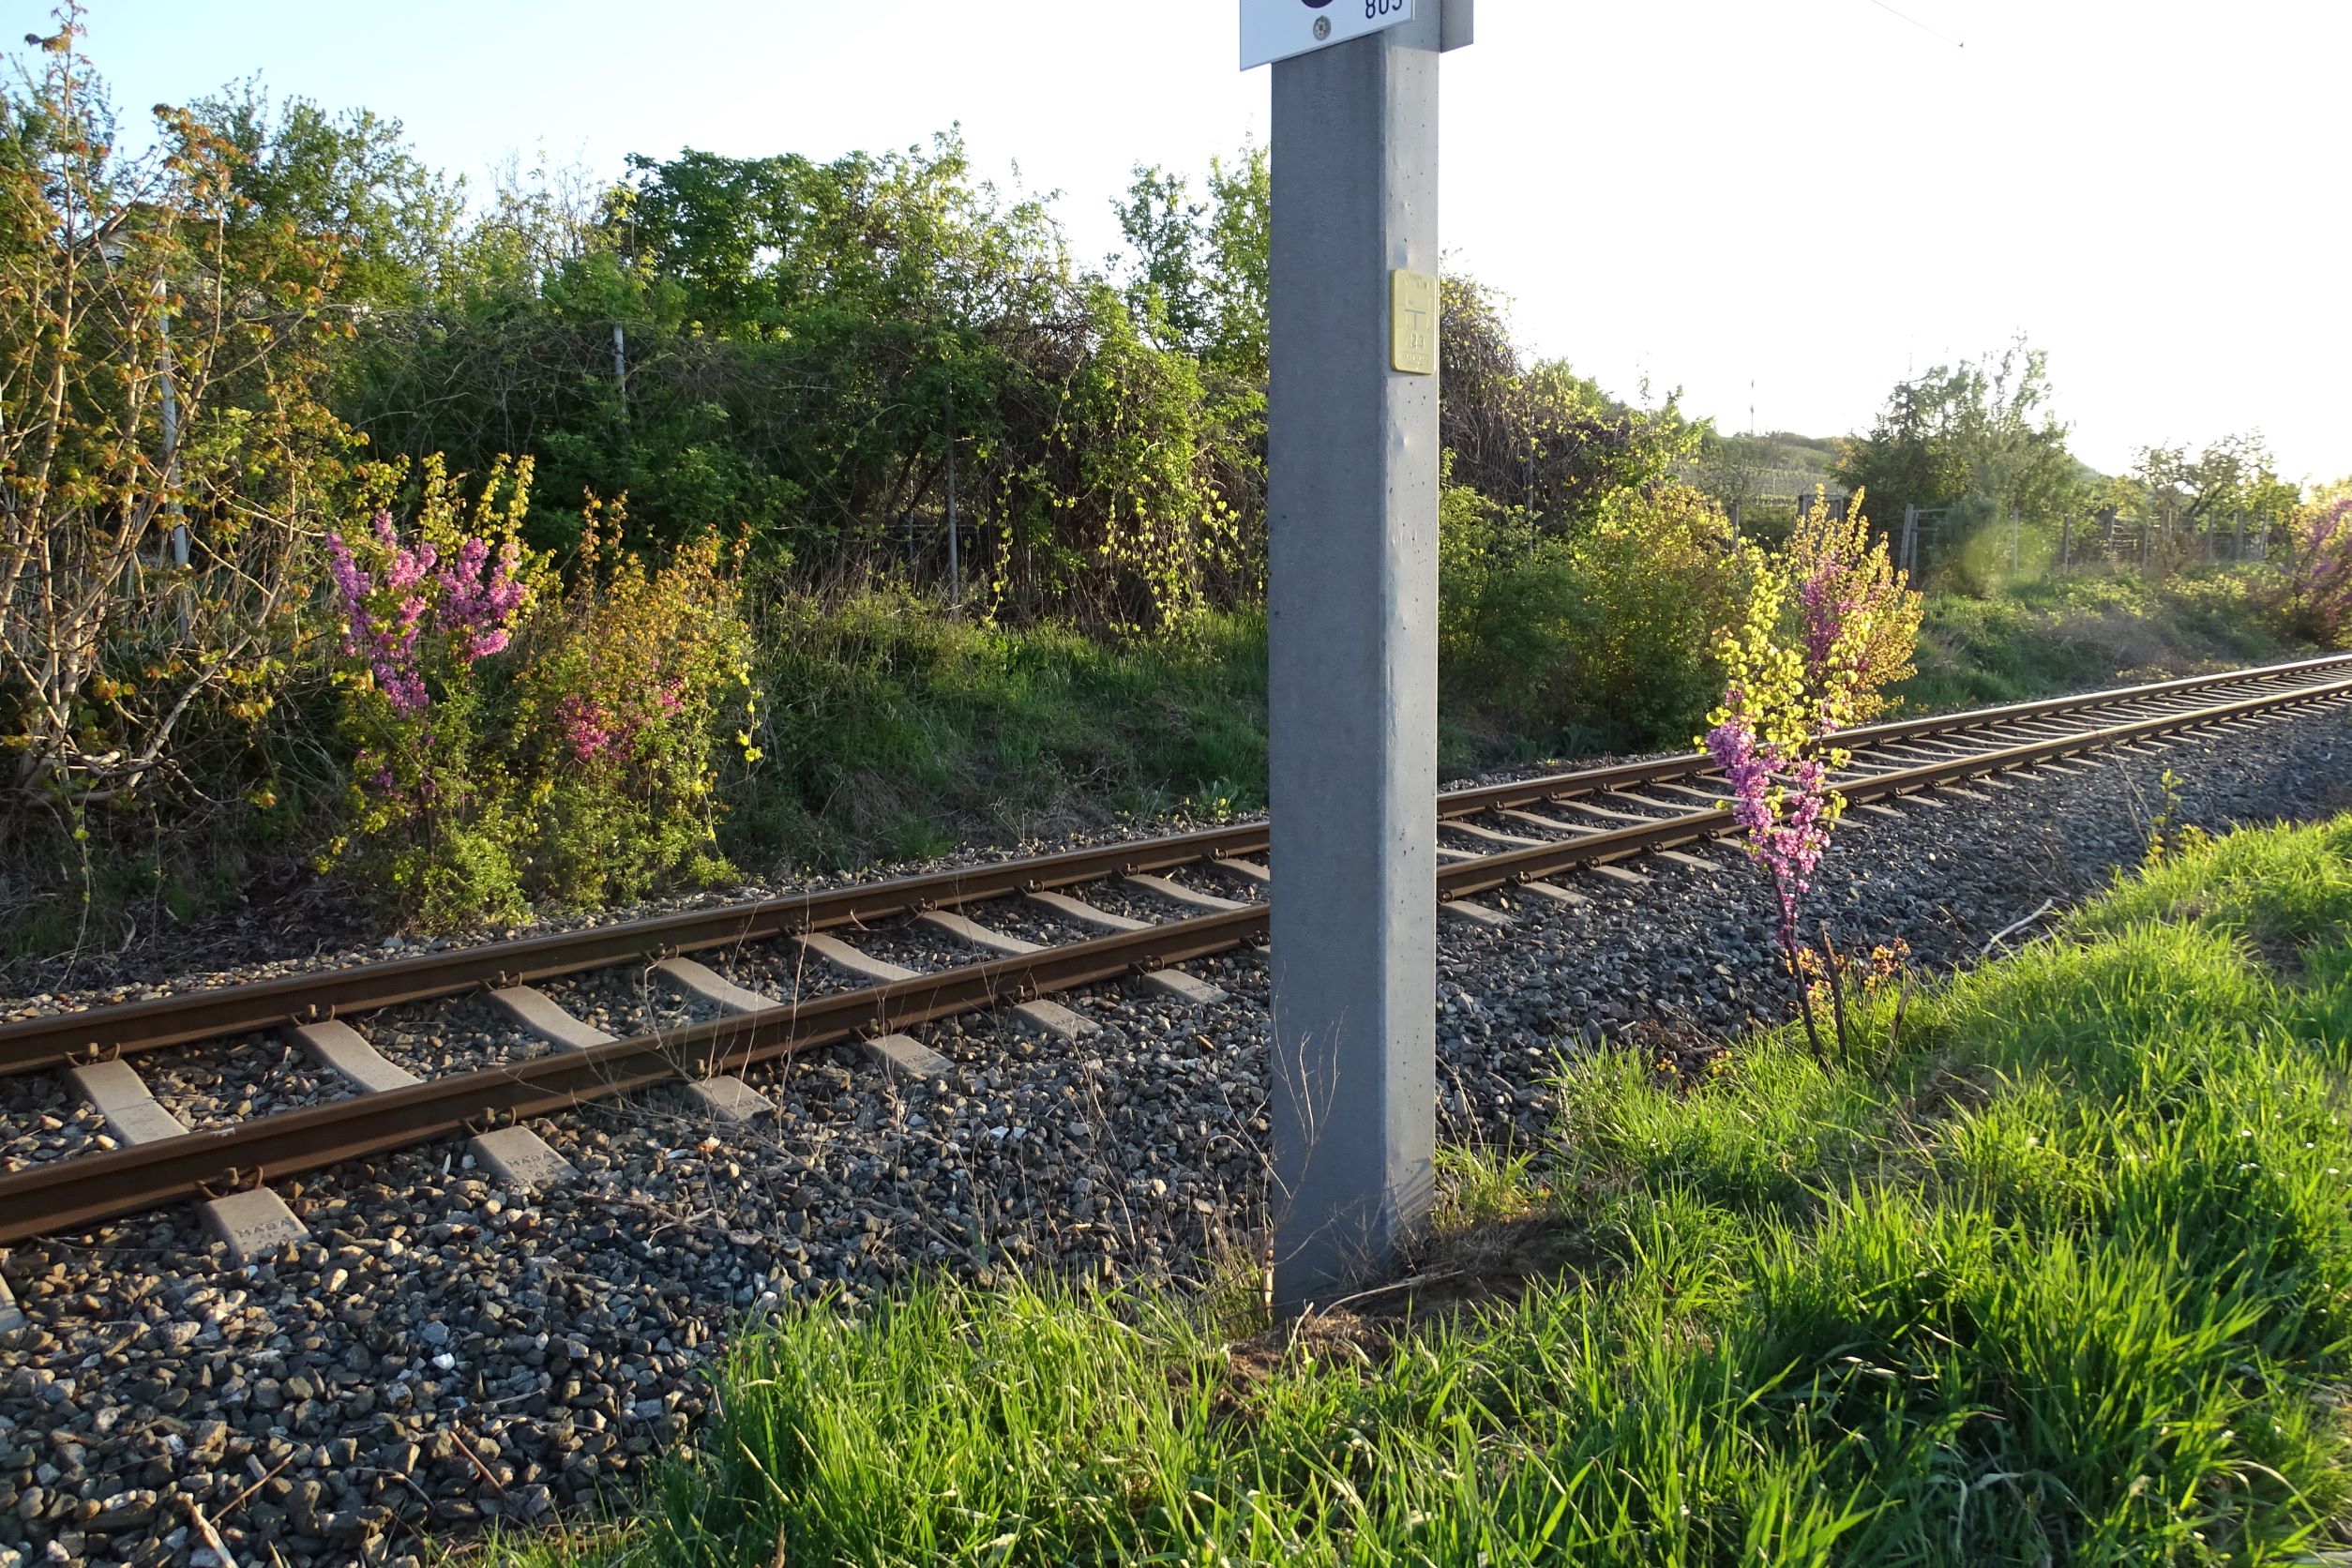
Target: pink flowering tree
x,y
1829,624
468,604
2319,574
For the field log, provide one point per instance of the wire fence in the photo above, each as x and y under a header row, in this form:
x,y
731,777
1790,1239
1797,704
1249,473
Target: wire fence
x,y
2108,540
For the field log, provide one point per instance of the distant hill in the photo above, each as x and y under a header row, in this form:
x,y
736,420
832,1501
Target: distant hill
x,y
1786,449
1779,469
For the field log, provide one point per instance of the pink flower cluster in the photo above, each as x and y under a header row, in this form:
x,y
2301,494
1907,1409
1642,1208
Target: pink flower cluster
x,y
1788,847
1790,843
482,611
387,642
587,728
382,620
1828,600
592,732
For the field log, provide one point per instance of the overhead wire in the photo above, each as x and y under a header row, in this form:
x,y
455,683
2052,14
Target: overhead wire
x,y
1918,24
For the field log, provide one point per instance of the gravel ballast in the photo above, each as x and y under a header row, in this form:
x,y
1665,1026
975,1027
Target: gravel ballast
x,y
442,1354
253,1075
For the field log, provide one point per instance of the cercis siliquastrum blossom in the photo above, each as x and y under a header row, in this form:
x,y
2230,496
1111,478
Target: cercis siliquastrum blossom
x,y
472,600
593,731
1828,626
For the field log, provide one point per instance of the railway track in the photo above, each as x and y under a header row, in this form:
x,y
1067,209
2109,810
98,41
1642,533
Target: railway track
x,y
1139,911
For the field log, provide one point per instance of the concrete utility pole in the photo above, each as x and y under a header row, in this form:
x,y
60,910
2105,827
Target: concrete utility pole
x,y
1352,604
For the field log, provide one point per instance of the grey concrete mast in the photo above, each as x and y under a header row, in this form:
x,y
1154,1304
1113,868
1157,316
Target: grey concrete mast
x,y
1352,604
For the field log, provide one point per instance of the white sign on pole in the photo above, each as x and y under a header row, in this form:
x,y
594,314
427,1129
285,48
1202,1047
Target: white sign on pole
x,y
1277,29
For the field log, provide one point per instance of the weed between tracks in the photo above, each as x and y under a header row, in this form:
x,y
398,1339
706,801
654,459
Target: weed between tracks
x,y
2068,1279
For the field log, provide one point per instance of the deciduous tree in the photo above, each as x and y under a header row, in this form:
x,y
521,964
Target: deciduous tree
x,y
164,453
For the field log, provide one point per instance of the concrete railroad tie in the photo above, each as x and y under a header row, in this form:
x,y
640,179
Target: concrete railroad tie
x,y
537,1011
1167,981
251,1224
899,1054
519,1157
1050,1018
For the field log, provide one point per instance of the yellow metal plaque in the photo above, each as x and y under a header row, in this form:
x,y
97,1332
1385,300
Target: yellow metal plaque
x,y
1413,322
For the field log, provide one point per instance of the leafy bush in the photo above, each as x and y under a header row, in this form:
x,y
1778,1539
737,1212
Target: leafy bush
x,y
1540,433
2316,603
630,697
1828,626
808,350
1603,637
513,740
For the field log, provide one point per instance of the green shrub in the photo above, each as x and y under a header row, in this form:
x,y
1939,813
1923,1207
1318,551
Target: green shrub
x,y
514,740
1603,637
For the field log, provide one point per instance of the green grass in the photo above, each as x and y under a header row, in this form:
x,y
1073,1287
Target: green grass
x,y
2065,1276
896,731
2040,639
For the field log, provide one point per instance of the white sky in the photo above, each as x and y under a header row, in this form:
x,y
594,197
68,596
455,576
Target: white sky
x,y
1816,195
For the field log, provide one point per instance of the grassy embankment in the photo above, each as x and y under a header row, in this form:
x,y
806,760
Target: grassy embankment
x,y
2064,1275
2068,634
896,731
900,732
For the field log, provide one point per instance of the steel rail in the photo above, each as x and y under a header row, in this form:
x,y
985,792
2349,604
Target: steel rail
x,y
1512,866
87,1189
1531,792
126,1028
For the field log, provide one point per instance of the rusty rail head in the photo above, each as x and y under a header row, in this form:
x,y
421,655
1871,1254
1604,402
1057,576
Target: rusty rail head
x,y
43,1044
1534,791
38,1043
